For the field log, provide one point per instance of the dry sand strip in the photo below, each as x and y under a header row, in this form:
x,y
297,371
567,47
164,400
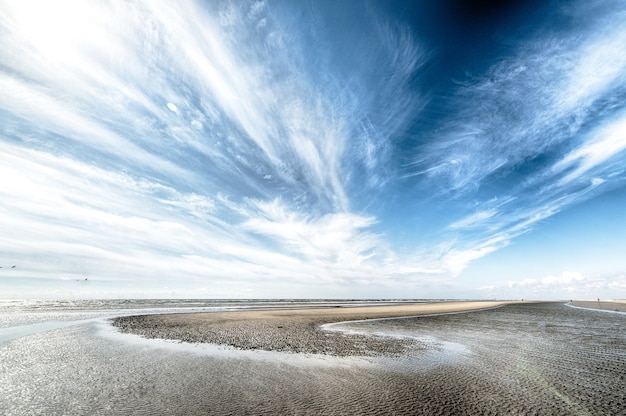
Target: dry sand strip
x,y
616,306
291,330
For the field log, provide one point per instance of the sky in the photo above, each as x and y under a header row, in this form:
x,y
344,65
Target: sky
x,y
313,149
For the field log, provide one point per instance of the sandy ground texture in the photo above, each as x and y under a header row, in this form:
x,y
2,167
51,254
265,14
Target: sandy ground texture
x,y
616,306
518,359
290,330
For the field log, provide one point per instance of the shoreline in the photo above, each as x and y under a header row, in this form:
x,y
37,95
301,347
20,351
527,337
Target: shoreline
x,y
603,305
291,330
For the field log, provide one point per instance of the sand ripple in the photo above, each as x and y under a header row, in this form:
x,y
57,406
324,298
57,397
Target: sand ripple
x,y
526,359
522,359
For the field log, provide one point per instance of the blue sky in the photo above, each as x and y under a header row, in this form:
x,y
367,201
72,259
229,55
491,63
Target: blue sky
x,y
272,149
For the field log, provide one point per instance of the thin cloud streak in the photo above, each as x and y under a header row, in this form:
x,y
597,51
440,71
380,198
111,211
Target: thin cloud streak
x,y
605,143
543,97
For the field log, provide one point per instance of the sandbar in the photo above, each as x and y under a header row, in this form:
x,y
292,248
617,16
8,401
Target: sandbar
x,y
614,305
290,330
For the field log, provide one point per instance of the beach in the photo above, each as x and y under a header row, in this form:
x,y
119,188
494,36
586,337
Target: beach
x,y
519,358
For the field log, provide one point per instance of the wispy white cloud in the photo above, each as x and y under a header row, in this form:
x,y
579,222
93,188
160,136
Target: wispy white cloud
x,y
476,219
67,219
501,154
29,102
334,239
605,143
216,97
231,143
540,96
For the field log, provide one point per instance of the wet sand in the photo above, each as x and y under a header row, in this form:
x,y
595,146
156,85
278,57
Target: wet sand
x,y
615,306
289,330
518,359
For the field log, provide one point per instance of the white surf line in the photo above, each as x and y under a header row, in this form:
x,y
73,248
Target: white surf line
x,y
328,326
594,309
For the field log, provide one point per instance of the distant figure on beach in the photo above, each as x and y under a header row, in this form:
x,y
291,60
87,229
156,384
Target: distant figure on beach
x,y
598,300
